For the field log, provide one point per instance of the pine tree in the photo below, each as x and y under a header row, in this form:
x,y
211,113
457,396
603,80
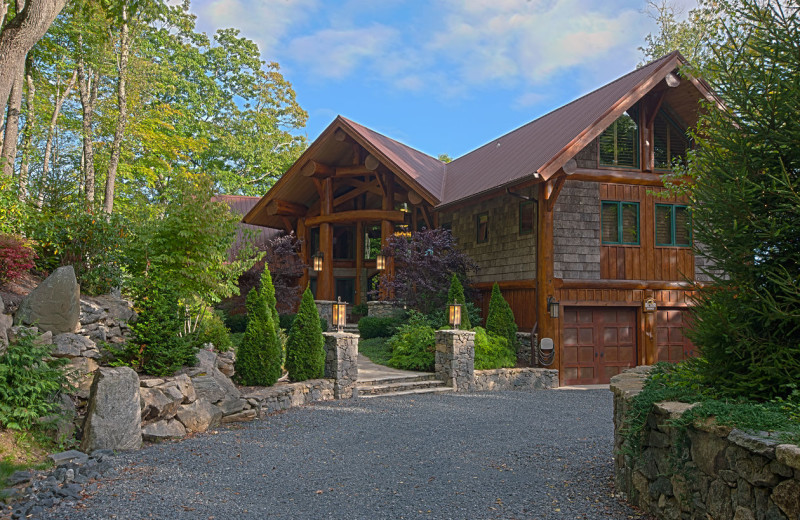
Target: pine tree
x,y
456,294
500,320
268,293
305,349
258,360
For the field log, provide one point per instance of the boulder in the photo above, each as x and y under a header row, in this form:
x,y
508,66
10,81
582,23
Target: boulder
x,y
199,416
183,383
209,383
80,372
55,305
231,406
6,322
113,419
156,405
163,430
786,496
244,415
69,344
226,362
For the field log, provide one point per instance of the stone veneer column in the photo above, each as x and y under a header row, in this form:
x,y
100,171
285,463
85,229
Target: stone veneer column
x,y
455,358
341,363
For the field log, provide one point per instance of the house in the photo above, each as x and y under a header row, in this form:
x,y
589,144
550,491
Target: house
x,y
563,213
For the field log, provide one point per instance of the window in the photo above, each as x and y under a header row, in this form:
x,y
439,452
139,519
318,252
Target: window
x,y
527,217
619,143
669,142
344,247
372,241
482,222
620,222
673,225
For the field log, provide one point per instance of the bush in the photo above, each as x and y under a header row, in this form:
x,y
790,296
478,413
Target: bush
x,y
440,319
372,327
29,382
286,321
500,320
237,323
305,349
414,346
16,257
258,361
492,351
212,329
456,294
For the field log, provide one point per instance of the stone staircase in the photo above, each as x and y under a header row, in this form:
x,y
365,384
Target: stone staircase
x,y
424,384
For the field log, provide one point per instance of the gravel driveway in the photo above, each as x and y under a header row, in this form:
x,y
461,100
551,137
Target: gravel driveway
x,y
542,454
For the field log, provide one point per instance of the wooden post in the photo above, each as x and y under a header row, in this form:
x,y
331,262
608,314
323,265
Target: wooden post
x,y
387,227
305,247
650,340
548,327
359,262
325,284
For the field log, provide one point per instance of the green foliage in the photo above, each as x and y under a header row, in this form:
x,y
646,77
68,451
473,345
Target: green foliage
x,y
237,323
376,349
268,292
212,329
456,294
500,320
414,345
492,351
305,349
13,213
374,327
156,344
286,321
258,360
746,207
439,318
361,309
16,257
29,382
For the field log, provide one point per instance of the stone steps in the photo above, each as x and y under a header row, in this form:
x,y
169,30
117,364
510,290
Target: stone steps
x,y
435,390
401,386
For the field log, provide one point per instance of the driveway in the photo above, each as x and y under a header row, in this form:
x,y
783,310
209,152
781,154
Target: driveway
x,y
541,454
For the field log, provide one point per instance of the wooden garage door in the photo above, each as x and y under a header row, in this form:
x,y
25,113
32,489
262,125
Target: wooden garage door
x,y
598,343
672,343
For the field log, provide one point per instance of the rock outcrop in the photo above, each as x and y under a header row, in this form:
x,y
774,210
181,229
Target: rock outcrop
x,y
113,420
55,305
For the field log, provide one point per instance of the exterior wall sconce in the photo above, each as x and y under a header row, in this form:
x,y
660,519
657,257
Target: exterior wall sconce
x,y
454,315
552,307
340,314
380,262
318,261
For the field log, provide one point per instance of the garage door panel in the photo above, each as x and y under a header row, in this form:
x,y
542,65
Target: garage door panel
x,y
586,336
606,343
586,355
570,337
673,345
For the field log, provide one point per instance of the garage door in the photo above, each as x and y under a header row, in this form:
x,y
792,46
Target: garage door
x,y
671,342
598,343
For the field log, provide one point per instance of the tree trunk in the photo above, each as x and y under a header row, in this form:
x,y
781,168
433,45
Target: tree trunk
x,y
51,132
9,155
27,134
113,163
88,90
17,38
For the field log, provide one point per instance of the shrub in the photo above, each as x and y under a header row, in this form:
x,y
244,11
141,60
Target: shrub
x,y
212,329
237,323
373,327
29,381
156,344
305,349
286,321
492,351
268,292
500,320
439,318
414,346
16,257
456,294
360,309
258,361
376,349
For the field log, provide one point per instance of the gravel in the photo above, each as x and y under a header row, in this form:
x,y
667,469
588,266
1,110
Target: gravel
x,y
541,454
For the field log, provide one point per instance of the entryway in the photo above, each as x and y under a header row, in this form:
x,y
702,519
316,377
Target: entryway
x,y
377,380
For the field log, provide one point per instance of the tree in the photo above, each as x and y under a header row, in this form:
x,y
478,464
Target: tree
x,y
500,320
456,294
258,361
268,293
305,349
746,207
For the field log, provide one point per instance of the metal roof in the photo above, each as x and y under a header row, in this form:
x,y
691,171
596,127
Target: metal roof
x,y
258,235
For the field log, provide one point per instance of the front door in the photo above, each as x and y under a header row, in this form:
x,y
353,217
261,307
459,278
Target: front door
x,y
598,343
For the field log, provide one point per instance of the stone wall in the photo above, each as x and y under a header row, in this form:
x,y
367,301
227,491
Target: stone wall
x,y
722,474
507,255
515,379
576,232
381,309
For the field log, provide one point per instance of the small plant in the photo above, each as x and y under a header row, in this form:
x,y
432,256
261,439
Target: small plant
x,y
492,351
373,327
456,294
29,382
259,358
212,330
305,349
286,321
414,345
16,257
360,309
500,320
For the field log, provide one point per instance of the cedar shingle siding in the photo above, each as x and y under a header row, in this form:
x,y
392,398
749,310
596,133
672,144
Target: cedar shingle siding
x,y
576,232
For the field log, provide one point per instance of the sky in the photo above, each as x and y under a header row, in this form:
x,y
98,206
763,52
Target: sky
x,y
442,76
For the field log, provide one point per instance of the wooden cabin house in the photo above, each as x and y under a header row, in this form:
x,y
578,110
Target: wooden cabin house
x,y
560,212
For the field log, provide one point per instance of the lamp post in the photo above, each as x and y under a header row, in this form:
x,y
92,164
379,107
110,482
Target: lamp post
x,y
454,314
339,314
317,261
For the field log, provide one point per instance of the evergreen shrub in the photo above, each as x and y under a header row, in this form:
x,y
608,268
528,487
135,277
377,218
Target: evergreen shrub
x,y
305,348
212,330
373,327
414,345
492,351
258,359
500,320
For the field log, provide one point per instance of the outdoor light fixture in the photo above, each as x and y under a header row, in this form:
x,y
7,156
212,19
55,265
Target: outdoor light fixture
x,y
318,261
552,307
455,314
380,261
339,314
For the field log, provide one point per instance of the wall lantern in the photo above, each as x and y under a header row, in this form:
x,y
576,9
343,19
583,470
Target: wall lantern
x,y
340,314
318,261
552,307
454,314
380,261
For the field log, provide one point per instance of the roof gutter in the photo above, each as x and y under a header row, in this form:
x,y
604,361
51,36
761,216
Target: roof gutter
x,y
531,179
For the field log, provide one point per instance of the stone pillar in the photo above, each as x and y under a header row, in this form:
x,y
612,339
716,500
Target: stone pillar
x,y
325,310
341,363
455,358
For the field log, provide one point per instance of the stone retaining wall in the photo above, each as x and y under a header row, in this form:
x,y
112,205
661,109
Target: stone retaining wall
x,y
515,379
720,473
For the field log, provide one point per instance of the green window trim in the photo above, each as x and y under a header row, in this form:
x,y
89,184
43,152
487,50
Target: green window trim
x,y
672,225
482,228
620,228
527,205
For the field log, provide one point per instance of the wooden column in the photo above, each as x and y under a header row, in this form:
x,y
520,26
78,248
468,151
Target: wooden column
x,y
548,327
359,262
305,247
325,285
387,227
649,339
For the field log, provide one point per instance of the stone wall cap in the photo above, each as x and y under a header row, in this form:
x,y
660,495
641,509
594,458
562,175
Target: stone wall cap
x,y
673,409
761,443
788,455
341,335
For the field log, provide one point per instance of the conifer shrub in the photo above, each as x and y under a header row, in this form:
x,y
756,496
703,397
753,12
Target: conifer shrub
x,y
456,294
500,320
374,327
305,349
258,359
268,291
492,351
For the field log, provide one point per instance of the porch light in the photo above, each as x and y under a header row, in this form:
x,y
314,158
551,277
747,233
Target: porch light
x,y
340,314
552,307
318,261
454,314
380,261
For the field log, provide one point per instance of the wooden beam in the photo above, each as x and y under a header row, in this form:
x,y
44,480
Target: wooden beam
x,y
414,197
287,224
318,186
359,263
426,216
305,247
651,117
315,169
345,171
552,189
656,285
548,327
508,284
286,208
357,215
371,162
364,188
618,177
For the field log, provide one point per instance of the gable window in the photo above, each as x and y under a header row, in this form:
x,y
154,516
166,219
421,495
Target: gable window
x,y
527,217
619,143
670,143
482,225
620,222
673,225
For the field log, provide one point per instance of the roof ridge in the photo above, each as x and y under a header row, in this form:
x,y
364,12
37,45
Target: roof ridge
x,y
350,121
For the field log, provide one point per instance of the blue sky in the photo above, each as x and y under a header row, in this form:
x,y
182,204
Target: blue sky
x,y
443,76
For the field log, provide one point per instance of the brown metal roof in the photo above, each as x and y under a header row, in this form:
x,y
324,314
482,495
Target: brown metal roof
x,y
241,204
524,151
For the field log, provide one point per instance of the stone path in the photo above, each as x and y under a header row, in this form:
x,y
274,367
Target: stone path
x,y
510,455
369,371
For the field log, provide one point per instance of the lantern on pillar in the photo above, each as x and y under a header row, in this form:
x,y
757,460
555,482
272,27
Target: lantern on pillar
x,y
380,262
339,314
317,261
454,314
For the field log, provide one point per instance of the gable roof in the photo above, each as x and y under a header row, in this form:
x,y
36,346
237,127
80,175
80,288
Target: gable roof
x,y
246,233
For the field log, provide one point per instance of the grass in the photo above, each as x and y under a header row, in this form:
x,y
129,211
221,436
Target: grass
x,y
376,349
20,451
